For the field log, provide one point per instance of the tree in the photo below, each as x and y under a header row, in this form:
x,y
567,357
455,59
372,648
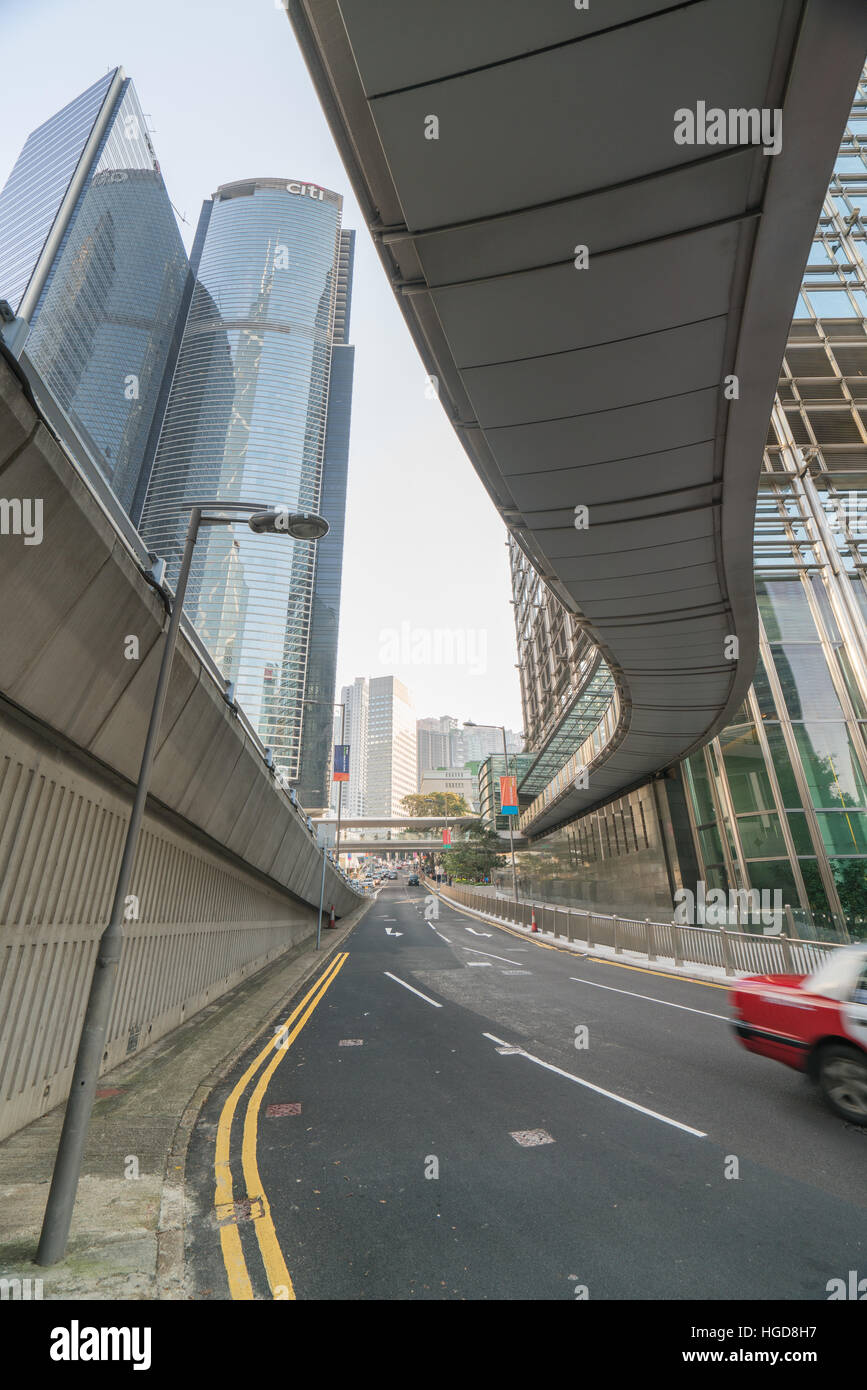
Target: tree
x,y
476,856
435,804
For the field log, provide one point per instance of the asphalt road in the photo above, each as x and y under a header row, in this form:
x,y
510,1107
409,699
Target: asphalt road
x,y
669,1163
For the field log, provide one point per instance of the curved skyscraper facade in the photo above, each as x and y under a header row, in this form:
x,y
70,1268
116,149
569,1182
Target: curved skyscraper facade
x,y
247,420
91,257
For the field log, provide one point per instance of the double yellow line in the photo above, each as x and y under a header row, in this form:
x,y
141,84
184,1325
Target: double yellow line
x,y
238,1275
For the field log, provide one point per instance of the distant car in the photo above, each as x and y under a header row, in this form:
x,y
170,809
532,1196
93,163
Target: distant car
x,y
392,874
413,881
815,1023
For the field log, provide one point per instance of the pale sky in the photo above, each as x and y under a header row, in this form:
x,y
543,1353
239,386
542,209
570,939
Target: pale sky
x,y
425,576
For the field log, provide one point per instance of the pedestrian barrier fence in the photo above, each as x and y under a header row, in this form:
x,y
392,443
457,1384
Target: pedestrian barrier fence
x,y
734,952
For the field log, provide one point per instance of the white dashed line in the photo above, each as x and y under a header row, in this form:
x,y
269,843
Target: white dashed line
x,y
600,1090
412,988
650,998
476,952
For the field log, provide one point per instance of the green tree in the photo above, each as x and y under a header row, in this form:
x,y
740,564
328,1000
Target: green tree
x,y
435,804
476,856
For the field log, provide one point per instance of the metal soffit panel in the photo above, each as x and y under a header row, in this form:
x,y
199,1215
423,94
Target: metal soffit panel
x,y
603,386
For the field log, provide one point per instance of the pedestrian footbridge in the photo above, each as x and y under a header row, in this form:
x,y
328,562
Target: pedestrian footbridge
x,y
596,221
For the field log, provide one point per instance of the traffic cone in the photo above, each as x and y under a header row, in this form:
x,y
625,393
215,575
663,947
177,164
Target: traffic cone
x,y
331,921
533,926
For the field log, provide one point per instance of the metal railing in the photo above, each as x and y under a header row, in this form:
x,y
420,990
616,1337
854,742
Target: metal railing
x,y
733,951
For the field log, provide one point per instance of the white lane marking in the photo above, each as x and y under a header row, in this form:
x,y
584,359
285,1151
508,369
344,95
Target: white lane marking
x,y
476,952
600,1090
478,933
650,998
443,938
413,988
483,963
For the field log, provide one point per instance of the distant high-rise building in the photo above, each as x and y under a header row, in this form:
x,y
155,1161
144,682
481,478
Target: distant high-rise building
x,y
391,744
440,744
356,698
480,743
92,259
259,411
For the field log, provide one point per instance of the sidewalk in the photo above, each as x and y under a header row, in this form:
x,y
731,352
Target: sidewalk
x,y
127,1236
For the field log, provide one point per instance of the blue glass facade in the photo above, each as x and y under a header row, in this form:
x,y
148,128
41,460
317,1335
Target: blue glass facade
x,y
248,418
109,284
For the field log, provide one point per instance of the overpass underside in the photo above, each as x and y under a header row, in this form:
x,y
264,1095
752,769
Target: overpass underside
x,y
602,295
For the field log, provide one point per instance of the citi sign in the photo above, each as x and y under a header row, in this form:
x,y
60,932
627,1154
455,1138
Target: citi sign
x,y
309,188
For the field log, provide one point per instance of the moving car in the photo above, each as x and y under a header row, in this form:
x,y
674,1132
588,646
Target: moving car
x,y
412,881
815,1023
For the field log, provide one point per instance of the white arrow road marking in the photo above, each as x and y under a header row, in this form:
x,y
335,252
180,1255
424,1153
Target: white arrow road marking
x,y
412,987
389,932
650,999
476,952
600,1090
479,933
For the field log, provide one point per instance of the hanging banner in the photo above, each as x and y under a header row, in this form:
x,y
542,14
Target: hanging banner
x,y
509,796
341,762
447,836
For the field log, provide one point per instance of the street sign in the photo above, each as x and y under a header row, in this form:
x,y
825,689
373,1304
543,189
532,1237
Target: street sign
x,y
509,796
341,762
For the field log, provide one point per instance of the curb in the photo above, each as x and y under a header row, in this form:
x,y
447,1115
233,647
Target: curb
x,y
171,1268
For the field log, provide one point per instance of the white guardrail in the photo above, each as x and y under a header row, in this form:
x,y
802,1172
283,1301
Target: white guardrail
x,y
735,952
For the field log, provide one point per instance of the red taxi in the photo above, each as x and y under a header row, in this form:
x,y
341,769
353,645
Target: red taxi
x,y
815,1023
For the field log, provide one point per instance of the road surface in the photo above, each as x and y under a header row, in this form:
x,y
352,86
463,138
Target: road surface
x,y
464,1113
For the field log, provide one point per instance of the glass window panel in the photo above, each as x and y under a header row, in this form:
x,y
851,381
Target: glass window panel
x,y
830,767
782,765
851,684
801,833
775,874
832,304
711,846
806,681
844,832
761,836
748,778
850,877
785,611
816,894
763,693
699,786
825,608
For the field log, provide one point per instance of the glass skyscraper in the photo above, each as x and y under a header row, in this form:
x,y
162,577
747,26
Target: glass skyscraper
x,y
779,799
259,411
92,258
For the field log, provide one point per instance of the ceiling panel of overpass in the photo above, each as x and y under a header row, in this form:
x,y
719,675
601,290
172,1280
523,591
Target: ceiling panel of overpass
x,y
604,386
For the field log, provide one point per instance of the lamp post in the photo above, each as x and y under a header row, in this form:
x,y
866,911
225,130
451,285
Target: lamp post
x,y
263,520
469,724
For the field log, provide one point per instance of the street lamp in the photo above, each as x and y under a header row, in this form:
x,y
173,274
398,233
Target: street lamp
x,y
264,520
469,724
342,707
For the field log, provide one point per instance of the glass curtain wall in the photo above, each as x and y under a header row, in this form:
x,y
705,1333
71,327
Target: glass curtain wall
x,y
246,421
779,799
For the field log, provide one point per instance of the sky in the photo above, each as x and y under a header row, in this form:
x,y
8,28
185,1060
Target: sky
x,y
425,574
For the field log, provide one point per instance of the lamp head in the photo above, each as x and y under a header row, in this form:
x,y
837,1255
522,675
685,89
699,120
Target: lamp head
x,y
301,526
